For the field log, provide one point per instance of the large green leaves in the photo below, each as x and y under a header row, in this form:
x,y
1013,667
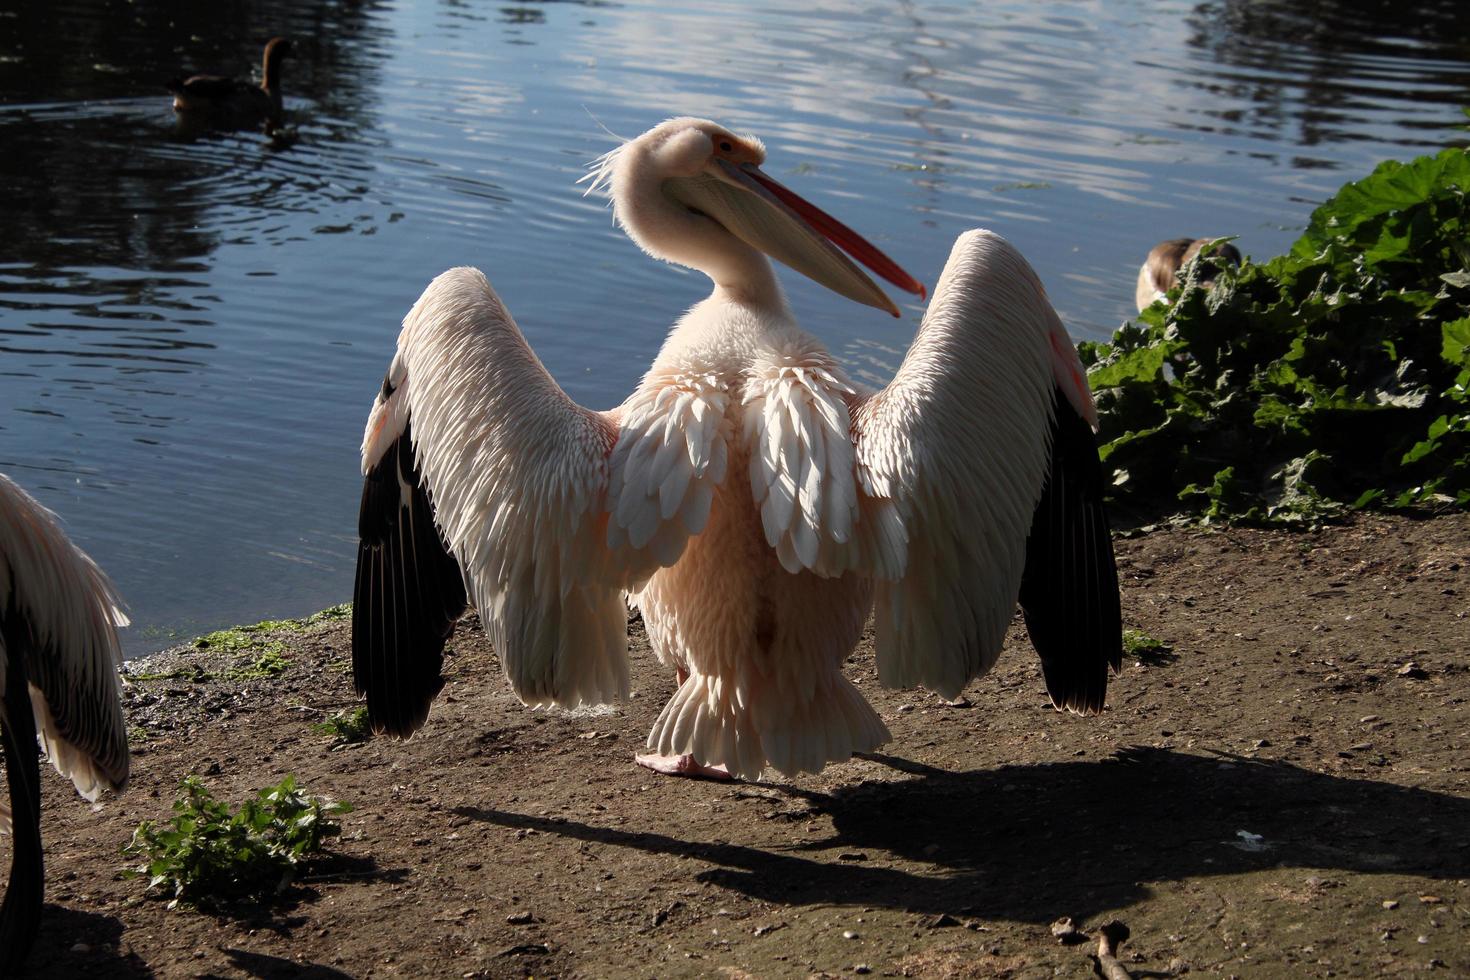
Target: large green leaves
x,y
1331,377
210,856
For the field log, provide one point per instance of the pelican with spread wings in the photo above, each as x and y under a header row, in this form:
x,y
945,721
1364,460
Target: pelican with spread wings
x,y
752,500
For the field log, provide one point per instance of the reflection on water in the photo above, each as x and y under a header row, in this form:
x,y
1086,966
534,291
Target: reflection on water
x,y
192,325
1325,72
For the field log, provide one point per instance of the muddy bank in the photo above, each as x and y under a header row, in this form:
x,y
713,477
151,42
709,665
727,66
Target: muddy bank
x,y
1282,791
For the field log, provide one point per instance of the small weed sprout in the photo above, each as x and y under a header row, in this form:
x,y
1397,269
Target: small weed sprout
x,y
1144,648
207,856
346,726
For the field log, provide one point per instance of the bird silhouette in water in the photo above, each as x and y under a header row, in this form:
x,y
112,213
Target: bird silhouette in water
x,y
218,102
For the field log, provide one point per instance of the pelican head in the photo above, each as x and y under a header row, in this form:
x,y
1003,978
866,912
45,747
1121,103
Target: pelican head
x,y
692,192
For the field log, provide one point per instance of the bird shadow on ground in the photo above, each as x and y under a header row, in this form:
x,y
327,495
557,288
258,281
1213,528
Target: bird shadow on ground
x,y
275,915
74,943
1029,843
278,968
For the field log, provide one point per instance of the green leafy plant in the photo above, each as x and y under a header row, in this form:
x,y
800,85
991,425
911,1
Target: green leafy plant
x,y
346,726
1329,378
209,856
1146,649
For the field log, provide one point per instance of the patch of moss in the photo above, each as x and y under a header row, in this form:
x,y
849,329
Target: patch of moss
x,y
330,614
266,658
240,638
193,673
269,660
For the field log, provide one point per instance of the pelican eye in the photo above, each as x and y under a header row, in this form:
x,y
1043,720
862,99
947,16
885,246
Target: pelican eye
x,y
726,147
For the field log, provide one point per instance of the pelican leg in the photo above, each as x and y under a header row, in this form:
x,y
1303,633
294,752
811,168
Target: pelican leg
x,y
20,915
681,765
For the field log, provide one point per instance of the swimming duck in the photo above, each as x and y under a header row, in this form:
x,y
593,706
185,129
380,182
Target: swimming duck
x,y
235,103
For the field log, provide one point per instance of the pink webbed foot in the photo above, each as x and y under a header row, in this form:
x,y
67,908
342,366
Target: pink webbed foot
x,y
681,765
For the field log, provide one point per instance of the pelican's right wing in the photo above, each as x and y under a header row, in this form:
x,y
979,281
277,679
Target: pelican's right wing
x,y
484,481
979,482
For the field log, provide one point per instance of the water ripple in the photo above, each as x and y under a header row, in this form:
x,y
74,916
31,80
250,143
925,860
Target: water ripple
x,y
192,325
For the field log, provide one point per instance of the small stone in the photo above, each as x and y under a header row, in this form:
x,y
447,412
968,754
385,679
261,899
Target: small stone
x,y
1423,940
1413,671
941,921
1430,899
849,934
1367,719
1390,904
1261,743
1066,931
862,968
905,708
524,919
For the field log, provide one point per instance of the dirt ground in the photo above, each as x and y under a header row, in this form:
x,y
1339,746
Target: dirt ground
x,y
1284,793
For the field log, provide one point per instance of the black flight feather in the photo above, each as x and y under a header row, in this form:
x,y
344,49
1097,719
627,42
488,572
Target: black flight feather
x,y
409,594
1069,590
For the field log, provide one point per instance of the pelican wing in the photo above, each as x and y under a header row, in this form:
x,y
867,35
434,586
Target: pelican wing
x,y
979,480
485,481
59,615
409,590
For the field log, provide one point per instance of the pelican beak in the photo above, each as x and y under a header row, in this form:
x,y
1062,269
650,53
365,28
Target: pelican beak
x,y
772,218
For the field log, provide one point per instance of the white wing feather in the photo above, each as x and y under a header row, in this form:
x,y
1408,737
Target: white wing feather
x,y
671,454
951,460
551,510
801,458
69,611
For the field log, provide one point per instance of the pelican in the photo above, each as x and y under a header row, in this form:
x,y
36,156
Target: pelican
x,y
748,497
235,103
59,615
1160,271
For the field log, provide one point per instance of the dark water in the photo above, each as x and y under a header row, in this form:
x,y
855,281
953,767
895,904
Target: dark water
x,y
192,328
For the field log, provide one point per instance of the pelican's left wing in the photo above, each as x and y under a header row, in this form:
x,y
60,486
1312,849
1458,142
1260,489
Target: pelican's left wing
x,y
484,481
59,615
979,482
